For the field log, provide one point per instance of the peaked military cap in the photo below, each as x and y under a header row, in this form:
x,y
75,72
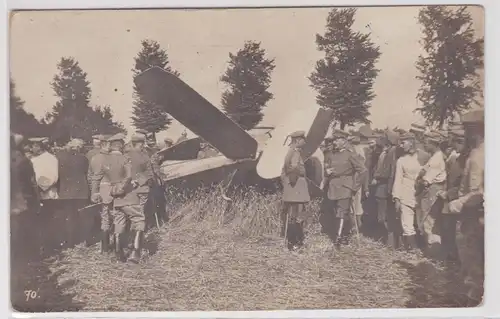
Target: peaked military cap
x,y
104,137
97,137
366,131
354,139
298,134
339,134
406,136
117,137
434,136
138,138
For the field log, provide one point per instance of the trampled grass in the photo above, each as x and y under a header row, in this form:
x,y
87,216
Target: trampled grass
x,y
217,256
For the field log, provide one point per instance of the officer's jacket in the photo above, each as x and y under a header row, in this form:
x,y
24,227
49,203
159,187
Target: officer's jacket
x,y
293,178
115,173
343,170
92,153
140,164
455,170
73,167
385,171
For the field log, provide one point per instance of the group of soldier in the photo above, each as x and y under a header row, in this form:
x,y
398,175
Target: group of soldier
x,y
120,179
420,191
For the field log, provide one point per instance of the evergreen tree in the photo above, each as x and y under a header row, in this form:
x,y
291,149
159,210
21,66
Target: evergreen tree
x,y
248,78
344,78
21,121
448,69
72,116
146,115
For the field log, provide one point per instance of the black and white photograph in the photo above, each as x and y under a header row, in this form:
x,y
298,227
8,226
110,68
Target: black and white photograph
x,y
244,159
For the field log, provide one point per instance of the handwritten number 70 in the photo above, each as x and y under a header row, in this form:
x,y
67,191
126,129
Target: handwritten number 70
x,y
30,294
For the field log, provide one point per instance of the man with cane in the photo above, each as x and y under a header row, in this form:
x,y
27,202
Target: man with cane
x,y
295,191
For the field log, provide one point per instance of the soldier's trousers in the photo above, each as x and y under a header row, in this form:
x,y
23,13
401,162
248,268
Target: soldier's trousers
x,y
295,217
429,214
335,211
134,213
471,250
106,217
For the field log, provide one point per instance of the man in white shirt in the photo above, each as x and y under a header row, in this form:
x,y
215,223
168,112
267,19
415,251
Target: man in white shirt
x,y
403,192
432,183
46,169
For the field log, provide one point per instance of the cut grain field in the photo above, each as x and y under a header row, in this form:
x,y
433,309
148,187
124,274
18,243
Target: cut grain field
x,y
212,256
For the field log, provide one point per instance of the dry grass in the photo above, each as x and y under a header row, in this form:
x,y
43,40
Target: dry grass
x,y
215,257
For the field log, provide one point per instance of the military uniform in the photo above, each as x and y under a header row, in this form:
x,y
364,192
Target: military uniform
x,y
344,170
116,180
383,176
470,206
295,192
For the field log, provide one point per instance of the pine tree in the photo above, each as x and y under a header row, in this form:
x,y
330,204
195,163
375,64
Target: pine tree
x,y
149,116
448,69
248,78
72,116
21,121
344,78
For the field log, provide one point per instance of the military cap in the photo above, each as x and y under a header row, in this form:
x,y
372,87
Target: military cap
x,y
168,140
104,137
298,134
97,137
74,143
434,136
392,137
366,131
339,134
473,117
117,137
354,139
406,136
138,138
39,140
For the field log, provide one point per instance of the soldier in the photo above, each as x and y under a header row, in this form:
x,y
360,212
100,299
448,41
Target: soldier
x,y
295,191
95,167
45,165
455,165
116,176
206,151
403,190
360,150
422,155
327,148
470,206
140,162
343,169
431,182
168,142
383,181
96,142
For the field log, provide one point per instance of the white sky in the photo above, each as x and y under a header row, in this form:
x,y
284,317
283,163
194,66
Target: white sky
x,y
198,43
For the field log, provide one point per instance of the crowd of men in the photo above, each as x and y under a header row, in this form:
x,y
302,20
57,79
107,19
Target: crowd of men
x,y
410,190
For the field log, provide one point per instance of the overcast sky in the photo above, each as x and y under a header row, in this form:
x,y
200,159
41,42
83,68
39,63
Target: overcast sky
x,y
198,43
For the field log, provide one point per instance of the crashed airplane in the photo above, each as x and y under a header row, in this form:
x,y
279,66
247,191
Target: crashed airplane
x,y
242,159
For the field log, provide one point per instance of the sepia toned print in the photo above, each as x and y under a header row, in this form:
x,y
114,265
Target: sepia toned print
x,y
247,159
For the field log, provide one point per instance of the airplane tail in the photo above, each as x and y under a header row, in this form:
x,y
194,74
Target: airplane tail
x,y
196,113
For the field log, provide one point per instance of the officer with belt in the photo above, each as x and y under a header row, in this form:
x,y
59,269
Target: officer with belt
x,y
343,169
98,194
295,191
116,176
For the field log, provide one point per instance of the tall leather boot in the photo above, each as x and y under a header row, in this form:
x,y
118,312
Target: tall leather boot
x,y
120,256
412,242
135,257
391,240
105,242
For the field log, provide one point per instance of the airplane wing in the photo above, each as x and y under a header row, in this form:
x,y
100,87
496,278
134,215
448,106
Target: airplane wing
x,y
185,150
196,113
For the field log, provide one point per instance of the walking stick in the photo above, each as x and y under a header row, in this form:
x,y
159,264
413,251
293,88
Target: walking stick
x,y
356,224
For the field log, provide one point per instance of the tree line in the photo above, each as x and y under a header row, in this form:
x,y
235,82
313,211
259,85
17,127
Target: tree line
x,y
343,80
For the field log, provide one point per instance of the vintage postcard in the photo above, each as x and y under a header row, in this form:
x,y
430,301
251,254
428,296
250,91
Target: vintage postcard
x,y
247,159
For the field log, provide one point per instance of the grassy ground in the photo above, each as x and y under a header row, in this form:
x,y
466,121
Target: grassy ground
x,y
213,256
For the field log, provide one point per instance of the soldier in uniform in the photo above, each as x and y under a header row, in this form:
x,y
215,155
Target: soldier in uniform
x,y
116,176
168,142
383,181
455,164
206,151
141,164
98,196
419,131
357,204
343,169
469,205
96,142
295,191
182,138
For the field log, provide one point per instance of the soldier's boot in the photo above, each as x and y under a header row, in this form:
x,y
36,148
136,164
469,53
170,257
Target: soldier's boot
x,y
105,248
411,243
135,257
391,240
120,256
